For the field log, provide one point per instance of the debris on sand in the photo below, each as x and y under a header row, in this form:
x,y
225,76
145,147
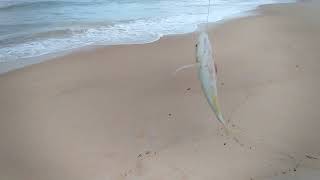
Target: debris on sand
x,y
147,152
310,157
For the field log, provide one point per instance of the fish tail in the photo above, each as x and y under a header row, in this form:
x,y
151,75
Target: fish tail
x,y
229,133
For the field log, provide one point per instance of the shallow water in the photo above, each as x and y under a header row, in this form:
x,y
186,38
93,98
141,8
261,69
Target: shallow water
x,y
31,28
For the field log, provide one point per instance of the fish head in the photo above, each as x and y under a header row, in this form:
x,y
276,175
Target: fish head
x,y
203,49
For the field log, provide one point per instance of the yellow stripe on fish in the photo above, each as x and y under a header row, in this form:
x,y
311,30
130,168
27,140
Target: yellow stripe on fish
x,y
216,104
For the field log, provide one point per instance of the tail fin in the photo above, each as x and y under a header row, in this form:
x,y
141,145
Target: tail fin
x,y
229,133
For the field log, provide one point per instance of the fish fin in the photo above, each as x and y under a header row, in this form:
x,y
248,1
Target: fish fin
x,y
230,134
227,131
234,135
184,67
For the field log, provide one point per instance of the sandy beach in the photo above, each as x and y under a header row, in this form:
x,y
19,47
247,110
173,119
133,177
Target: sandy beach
x,y
120,113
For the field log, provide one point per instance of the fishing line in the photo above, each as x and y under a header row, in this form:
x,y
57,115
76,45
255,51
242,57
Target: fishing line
x,y
208,14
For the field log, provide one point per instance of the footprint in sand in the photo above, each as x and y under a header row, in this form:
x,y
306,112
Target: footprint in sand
x,y
139,168
311,157
146,154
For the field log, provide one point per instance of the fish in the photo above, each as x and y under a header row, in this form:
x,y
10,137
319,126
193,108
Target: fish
x,y
207,73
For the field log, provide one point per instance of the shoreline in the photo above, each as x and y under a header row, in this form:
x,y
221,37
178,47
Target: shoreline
x,y
6,67
119,113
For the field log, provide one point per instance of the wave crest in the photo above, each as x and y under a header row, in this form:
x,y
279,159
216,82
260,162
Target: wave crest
x,y
8,6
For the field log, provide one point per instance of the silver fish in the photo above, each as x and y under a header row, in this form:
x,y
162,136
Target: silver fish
x,y
208,73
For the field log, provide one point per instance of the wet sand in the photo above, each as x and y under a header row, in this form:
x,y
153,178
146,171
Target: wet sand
x,y
118,112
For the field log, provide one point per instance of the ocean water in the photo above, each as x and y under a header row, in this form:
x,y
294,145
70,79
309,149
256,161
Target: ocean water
x,y
31,28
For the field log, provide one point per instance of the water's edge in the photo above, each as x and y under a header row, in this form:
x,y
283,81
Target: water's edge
x,y
10,66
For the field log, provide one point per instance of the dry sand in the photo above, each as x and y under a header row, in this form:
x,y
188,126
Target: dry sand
x,y
119,113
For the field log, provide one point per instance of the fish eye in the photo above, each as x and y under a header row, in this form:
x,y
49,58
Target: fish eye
x,y
197,45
